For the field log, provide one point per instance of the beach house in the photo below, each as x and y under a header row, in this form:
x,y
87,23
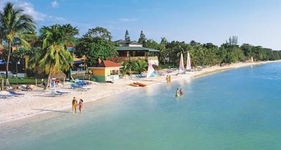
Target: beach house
x,y
133,51
105,71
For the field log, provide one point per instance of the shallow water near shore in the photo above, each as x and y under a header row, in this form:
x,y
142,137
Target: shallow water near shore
x,y
235,109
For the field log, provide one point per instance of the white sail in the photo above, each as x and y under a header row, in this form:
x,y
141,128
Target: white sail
x,y
188,62
150,71
181,65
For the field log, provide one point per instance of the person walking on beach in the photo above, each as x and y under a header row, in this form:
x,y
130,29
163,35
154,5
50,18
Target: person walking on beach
x,y
80,105
74,105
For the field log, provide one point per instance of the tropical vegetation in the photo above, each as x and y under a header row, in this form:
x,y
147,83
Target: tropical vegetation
x,y
53,56
48,51
14,26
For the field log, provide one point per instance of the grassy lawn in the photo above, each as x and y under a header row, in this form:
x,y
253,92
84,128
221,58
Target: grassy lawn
x,y
15,81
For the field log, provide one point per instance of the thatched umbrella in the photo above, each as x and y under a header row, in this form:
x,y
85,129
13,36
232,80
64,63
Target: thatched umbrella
x,y
59,75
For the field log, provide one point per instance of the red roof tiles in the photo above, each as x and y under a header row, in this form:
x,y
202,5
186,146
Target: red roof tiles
x,y
108,63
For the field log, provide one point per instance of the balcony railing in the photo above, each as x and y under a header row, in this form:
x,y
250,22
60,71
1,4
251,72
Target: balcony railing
x,y
140,57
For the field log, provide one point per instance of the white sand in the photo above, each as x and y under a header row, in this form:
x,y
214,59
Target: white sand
x,y
37,101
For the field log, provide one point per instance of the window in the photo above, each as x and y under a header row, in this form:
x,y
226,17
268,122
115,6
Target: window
x,y
113,72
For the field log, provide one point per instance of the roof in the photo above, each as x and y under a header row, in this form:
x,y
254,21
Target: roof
x,y
59,75
121,41
109,63
126,48
128,44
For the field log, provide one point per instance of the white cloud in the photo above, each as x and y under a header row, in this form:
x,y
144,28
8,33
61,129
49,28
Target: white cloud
x,y
29,9
55,4
127,19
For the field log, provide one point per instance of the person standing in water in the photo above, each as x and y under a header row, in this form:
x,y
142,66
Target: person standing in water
x,y
181,91
177,93
74,105
80,105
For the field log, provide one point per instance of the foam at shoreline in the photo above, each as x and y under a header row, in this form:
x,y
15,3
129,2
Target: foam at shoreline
x,y
34,102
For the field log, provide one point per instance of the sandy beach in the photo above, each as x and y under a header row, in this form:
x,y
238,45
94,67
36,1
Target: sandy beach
x,y
39,101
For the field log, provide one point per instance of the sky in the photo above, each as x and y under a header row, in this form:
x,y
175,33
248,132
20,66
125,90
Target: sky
x,y
256,22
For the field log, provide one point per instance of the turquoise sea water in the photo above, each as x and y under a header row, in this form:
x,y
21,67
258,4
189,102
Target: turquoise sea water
x,y
233,110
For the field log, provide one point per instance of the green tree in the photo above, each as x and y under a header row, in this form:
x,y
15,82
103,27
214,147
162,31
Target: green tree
x,y
99,32
212,55
70,31
14,23
163,54
142,38
54,56
126,68
94,47
139,66
127,37
151,44
247,50
232,40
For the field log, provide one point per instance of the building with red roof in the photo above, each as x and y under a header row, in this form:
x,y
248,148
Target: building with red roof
x,y
106,71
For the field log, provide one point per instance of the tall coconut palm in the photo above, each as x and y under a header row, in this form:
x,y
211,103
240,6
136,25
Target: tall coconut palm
x,y
13,23
54,55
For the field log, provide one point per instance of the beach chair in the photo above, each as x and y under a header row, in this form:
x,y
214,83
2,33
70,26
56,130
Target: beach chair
x,y
86,83
137,76
25,87
15,93
75,86
80,83
52,93
56,93
62,92
78,87
142,76
5,95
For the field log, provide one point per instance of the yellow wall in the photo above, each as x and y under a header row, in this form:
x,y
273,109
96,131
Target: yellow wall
x,y
107,72
102,74
98,72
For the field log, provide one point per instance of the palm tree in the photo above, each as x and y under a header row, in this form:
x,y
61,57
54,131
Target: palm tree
x,y
54,55
13,23
139,66
126,68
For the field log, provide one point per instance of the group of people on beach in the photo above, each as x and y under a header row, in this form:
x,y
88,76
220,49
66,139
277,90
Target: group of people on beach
x,y
179,92
75,104
168,78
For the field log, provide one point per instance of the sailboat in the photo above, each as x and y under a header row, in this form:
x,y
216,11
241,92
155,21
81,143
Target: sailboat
x,y
150,71
181,65
188,62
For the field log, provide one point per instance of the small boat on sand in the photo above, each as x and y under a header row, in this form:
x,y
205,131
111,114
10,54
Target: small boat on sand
x,y
140,84
135,85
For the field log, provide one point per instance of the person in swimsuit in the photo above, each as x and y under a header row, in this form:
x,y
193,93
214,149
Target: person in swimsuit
x,y
74,105
181,91
177,92
80,105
